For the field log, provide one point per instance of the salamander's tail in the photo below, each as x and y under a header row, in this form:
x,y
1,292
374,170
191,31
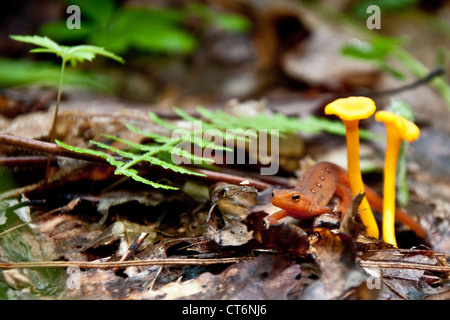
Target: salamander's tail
x,y
400,216
376,202
409,221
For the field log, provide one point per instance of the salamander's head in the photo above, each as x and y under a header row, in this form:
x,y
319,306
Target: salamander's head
x,y
297,205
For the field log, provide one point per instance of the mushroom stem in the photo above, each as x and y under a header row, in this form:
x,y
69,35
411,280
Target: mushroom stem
x,y
351,110
355,178
397,130
390,168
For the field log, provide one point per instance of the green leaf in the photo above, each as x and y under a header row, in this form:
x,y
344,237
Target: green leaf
x,y
157,137
21,245
158,31
135,176
402,108
231,22
90,51
138,146
184,115
42,50
169,148
82,150
218,123
161,122
38,41
162,39
132,173
207,144
122,153
186,154
377,49
172,167
73,54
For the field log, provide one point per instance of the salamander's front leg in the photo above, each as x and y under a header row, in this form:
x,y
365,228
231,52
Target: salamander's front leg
x,y
345,194
273,219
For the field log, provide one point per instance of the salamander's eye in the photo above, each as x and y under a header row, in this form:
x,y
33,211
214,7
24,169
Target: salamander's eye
x,y
296,197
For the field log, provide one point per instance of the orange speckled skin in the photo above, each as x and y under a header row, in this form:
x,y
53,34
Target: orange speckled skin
x,y
312,193
314,190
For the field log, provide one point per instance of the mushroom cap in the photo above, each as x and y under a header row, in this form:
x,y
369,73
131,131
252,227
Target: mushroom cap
x,y
406,129
351,108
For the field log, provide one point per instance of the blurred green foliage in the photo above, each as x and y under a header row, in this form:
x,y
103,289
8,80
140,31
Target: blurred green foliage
x,y
22,72
153,30
377,51
387,51
359,10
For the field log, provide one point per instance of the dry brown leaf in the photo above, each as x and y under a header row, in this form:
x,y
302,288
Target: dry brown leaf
x,y
231,204
340,274
284,237
408,274
265,277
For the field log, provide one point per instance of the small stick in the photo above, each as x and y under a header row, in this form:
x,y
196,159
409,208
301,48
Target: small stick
x,y
403,265
373,93
136,244
45,147
230,178
51,148
156,276
14,228
24,161
121,264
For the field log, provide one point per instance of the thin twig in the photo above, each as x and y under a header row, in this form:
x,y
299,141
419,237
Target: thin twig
x,y
120,264
432,74
403,252
14,228
24,161
50,148
234,179
404,265
134,246
156,276
45,147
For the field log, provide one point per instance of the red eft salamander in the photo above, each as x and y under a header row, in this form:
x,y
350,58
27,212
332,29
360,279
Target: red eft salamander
x,y
316,187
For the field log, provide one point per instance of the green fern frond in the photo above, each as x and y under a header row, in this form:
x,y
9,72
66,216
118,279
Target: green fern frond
x,y
216,123
132,173
135,145
82,150
182,114
182,153
162,149
161,122
154,136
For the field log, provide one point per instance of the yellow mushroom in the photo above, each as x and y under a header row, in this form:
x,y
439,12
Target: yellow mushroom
x,y
397,129
351,110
